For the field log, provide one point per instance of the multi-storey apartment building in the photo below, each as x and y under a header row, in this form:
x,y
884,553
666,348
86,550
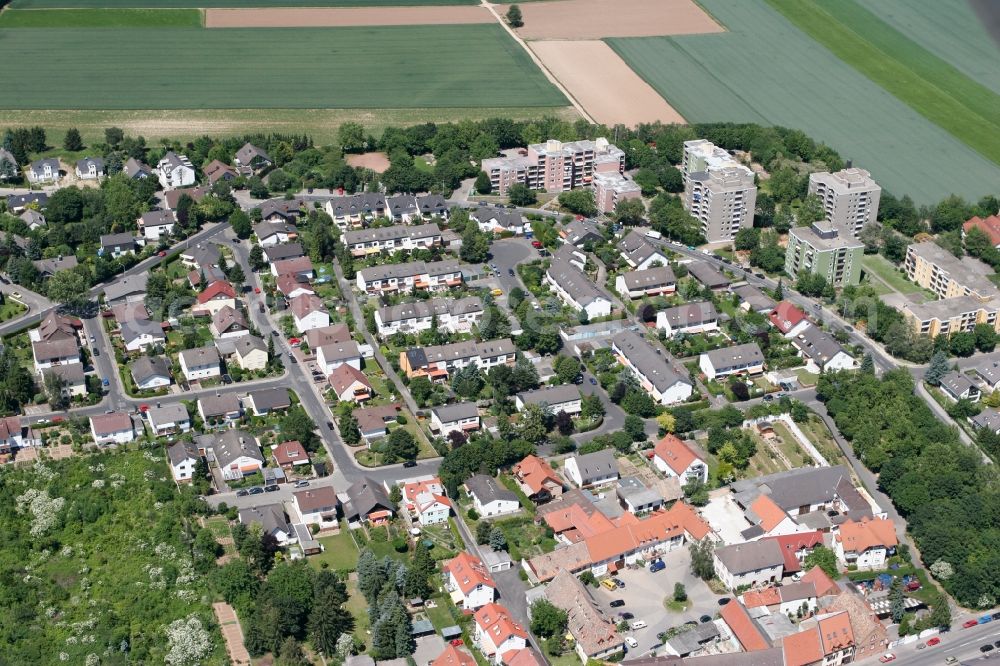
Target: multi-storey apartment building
x,y
932,267
439,361
453,316
950,315
850,198
824,250
718,191
435,276
612,187
555,166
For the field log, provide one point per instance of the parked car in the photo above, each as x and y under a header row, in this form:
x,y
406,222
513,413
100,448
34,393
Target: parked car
x,y
984,619
329,425
724,600
986,648
617,603
257,490
457,641
626,615
609,584
242,493
705,618
593,381
410,463
969,623
97,351
536,244
934,641
619,582
768,398
105,382
638,624
887,657
273,488
632,643
657,565
301,483
161,253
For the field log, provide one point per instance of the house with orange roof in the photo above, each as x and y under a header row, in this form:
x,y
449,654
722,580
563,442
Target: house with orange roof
x,y
988,225
497,634
536,479
766,518
675,458
826,640
468,582
822,582
790,598
452,656
744,631
595,636
350,384
526,657
870,636
216,296
795,547
802,648
425,501
788,319
866,543
308,312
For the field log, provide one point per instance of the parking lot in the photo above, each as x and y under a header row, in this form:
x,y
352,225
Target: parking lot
x,y
644,595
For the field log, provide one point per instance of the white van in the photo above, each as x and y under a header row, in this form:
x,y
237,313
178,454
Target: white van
x,y
638,624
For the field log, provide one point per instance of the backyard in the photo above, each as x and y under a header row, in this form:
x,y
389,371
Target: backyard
x,y
340,553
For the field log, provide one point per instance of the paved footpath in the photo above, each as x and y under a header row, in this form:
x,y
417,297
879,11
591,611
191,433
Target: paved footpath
x,y
232,633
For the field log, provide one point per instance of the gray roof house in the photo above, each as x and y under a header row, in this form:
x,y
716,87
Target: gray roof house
x,y
580,232
250,158
272,519
754,299
139,334
564,397
639,253
148,371
456,411
989,372
17,203
958,386
267,400
90,168
988,418
808,488
49,267
136,170
822,349
232,445
219,406
490,496
33,218
575,289
117,244
751,556
729,360
707,274
592,468
126,290
635,496
650,364
43,171
283,251
368,500
168,418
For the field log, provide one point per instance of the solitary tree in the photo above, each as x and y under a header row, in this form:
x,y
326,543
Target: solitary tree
x,y
937,369
514,17
72,141
483,184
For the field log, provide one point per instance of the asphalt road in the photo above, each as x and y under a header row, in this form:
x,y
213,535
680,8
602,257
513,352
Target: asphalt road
x,y
961,643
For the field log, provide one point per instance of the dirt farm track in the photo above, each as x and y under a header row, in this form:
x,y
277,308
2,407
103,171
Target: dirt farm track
x,y
326,17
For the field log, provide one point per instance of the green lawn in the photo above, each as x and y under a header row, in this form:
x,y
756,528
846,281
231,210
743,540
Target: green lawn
x,y
358,607
11,309
340,552
882,269
116,4
366,67
765,70
932,87
102,18
950,30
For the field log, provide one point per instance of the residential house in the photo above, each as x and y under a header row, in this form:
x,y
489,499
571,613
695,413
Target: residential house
x,y
34,219
51,353
754,563
636,497
444,314
676,458
353,210
172,198
18,203
740,359
72,376
175,171
795,547
826,640
592,469
200,363
372,421
650,365
368,502
821,351
500,221
217,295
48,267
141,334
537,480
130,289
318,506
282,210
350,384
432,205
183,457
573,286
866,543
563,398
168,419
56,327
581,232
217,170
136,170
989,373
490,498
250,159
639,253
958,386
707,274
388,240
496,633
248,351
157,224
327,335
15,435
753,299
699,317
453,656
460,417
44,171
270,234
809,490
237,454
201,255
766,518
272,520
426,502
265,401
308,312
113,428
227,322
401,278
284,252
291,456
648,282
150,372
332,356
747,634
595,636
117,245
439,361
220,409
90,168
789,598
292,286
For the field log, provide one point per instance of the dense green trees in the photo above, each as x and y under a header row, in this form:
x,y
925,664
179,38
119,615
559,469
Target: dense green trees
x,y
580,202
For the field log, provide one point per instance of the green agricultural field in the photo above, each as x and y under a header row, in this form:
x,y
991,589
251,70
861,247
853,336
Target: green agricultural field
x,y
765,70
932,87
950,30
337,68
101,18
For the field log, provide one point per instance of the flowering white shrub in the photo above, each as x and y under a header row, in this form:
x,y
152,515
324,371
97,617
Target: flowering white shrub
x,y
188,642
43,509
97,483
93,659
942,570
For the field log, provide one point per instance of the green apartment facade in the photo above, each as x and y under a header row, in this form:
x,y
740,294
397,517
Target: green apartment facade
x,y
819,249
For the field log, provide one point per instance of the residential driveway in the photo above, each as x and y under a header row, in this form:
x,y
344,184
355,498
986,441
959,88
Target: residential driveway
x,y
645,592
428,649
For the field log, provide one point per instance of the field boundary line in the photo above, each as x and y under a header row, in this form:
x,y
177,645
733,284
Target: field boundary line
x,y
538,62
